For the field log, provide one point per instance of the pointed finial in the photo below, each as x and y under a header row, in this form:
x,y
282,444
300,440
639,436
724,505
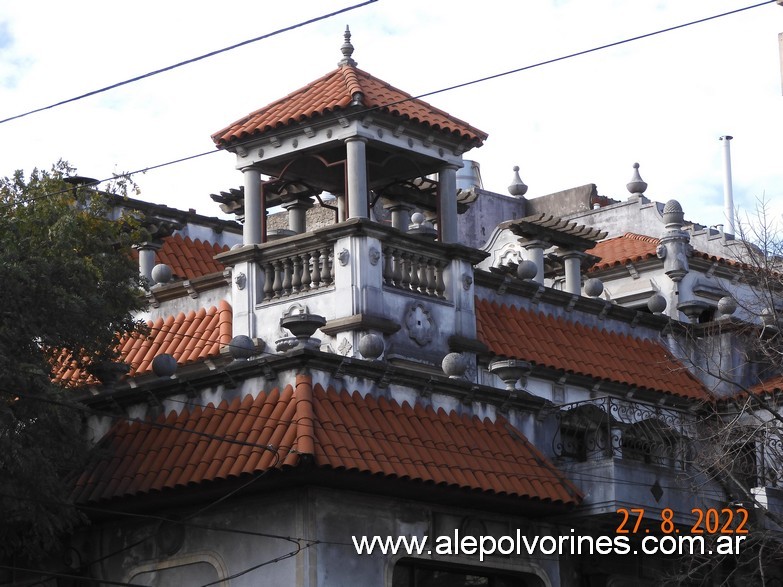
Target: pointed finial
x,y
517,187
347,49
637,185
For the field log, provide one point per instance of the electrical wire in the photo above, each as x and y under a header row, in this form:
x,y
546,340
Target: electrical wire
x,y
417,97
57,575
368,110
188,61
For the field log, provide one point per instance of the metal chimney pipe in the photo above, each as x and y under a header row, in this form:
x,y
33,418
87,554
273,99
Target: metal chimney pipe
x,y
728,193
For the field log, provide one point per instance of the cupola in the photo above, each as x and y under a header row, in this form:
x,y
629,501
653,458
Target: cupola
x,y
357,137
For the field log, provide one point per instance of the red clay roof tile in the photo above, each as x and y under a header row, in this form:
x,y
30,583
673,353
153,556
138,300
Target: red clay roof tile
x,y
189,258
340,431
634,248
552,342
629,248
190,338
771,385
335,91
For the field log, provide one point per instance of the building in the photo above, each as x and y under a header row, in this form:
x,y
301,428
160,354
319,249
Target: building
x,y
408,355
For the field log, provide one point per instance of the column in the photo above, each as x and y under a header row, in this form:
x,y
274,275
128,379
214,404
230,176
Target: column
x,y
400,216
297,213
147,258
356,170
447,177
252,233
573,271
535,251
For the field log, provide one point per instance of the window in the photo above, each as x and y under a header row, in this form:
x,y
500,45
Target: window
x,y
584,433
651,441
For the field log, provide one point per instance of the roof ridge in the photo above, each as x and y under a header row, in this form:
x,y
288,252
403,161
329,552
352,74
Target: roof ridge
x,y
639,237
304,419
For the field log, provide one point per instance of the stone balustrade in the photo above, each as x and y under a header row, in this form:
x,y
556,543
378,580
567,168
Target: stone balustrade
x,y
297,273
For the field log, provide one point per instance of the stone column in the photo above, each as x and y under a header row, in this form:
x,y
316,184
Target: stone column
x,y
297,213
252,231
147,258
535,251
356,169
573,271
400,216
447,177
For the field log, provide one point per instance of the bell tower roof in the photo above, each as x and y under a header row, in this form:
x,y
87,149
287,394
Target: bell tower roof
x,y
342,91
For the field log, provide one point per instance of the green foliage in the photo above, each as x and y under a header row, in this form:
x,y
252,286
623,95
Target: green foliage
x,y
67,282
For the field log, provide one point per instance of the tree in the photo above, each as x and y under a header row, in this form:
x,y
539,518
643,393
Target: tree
x,y
739,446
67,284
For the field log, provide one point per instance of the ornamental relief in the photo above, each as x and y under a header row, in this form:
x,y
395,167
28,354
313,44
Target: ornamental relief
x,y
420,324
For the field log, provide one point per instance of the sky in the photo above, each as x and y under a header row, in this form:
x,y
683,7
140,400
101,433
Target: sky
x,y
662,101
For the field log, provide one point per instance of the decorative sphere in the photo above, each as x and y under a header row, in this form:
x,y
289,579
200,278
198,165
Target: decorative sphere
x,y
727,305
594,287
454,365
371,346
164,365
418,218
242,347
527,270
656,303
161,273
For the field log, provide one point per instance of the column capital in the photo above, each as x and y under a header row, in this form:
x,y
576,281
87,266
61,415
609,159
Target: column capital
x,y
534,244
355,138
571,254
148,246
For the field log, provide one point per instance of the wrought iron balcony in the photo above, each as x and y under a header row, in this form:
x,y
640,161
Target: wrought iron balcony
x,y
610,427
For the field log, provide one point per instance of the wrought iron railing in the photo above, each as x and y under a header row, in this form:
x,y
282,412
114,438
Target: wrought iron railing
x,y
610,427
753,455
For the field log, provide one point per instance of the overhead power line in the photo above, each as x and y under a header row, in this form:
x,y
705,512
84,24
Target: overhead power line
x,y
389,104
594,49
188,61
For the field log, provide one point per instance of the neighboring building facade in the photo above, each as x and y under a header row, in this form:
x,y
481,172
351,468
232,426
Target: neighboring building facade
x,y
404,355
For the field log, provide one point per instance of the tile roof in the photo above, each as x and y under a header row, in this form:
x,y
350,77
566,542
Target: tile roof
x,y
337,431
771,385
628,248
633,248
553,342
189,258
335,92
190,338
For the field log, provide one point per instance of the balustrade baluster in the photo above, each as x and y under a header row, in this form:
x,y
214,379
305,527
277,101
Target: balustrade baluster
x,y
440,286
406,270
296,277
306,279
388,266
397,273
287,270
316,269
423,274
269,278
277,285
415,272
327,269
431,280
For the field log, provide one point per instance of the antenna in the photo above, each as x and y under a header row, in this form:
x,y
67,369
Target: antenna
x,y
728,193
